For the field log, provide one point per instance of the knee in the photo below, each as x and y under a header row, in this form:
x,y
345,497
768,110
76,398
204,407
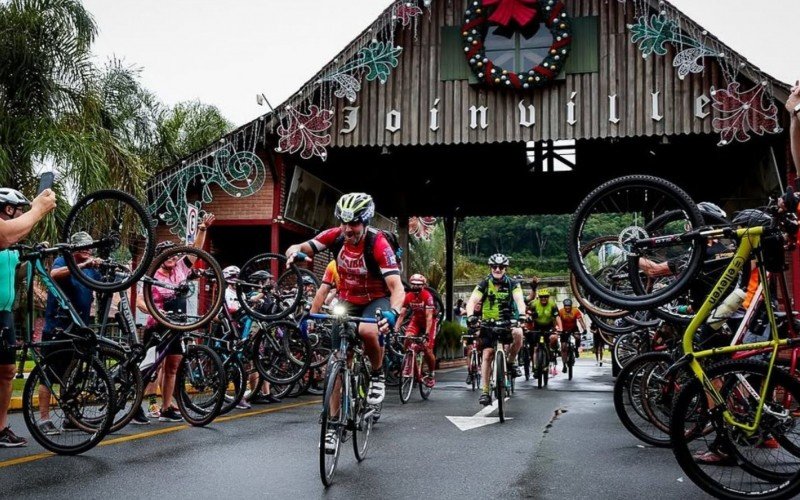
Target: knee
x,y
7,373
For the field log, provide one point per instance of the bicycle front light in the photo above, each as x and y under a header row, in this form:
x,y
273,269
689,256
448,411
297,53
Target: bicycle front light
x,y
339,310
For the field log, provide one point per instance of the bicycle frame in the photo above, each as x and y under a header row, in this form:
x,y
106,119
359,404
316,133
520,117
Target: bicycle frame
x,y
749,244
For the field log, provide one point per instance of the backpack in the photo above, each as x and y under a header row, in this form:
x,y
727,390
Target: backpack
x,y
369,245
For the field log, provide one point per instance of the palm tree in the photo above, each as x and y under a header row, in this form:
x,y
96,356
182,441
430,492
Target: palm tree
x,y
183,129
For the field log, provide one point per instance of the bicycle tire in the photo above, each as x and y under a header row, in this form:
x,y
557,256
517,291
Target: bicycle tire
x,y
406,377
128,385
590,304
362,424
281,353
635,196
424,390
626,347
284,291
209,271
236,386
121,248
570,365
634,419
612,326
685,442
200,367
99,384
328,422
500,384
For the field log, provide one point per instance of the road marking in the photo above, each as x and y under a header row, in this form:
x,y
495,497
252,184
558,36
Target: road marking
x,y
166,430
478,420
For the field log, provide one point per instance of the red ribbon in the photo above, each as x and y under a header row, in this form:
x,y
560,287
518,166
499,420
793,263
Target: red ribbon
x,y
521,11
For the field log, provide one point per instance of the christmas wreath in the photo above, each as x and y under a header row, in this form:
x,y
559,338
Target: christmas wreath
x,y
517,15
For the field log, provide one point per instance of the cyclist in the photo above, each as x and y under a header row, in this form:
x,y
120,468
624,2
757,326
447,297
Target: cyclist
x,y
15,224
597,343
543,314
360,289
497,297
57,321
173,270
570,321
420,306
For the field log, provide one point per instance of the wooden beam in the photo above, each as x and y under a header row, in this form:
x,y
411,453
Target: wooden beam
x,y
449,255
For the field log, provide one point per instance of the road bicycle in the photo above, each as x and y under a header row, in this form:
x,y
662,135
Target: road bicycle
x,y
411,371
345,412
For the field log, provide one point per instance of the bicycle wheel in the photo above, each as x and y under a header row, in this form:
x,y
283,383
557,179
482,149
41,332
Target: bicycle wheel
x,y
316,386
526,362
122,240
602,255
623,208
407,377
184,288
424,388
128,385
81,403
541,367
200,385
281,352
570,363
237,383
332,423
755,470
612,326
266,289
362,414
301,386
633,386
500,374
626,347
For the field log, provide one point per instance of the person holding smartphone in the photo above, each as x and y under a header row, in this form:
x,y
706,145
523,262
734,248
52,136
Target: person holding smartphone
x,y
15,224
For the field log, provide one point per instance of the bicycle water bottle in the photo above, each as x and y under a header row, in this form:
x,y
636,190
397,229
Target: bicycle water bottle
x,y
723,311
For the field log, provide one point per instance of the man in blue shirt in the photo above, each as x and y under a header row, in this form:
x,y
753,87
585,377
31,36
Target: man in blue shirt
x,y
56,319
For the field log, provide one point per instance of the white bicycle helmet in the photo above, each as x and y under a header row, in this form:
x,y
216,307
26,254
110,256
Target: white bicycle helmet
x,y
498,259
230,272
707,207
13,197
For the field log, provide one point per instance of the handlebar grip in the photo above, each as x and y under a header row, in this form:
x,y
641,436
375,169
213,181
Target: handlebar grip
x,y
301,256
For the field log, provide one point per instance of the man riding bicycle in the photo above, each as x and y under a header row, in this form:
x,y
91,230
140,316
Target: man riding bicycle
x,y
569,322
543,314
498,298
368,281
420,305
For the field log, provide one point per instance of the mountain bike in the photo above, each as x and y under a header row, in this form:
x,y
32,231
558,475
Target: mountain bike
x,y
501,379
732,407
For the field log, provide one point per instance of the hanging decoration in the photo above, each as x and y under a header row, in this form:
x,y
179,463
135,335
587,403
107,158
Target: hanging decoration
x,y
406,12
743,113
516,14
238,172
421,227
306,132
374,60
654,33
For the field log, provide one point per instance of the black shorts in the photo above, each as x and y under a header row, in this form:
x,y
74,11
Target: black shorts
x,y
175,347
532,336
362,311
598,341
487,337
8,339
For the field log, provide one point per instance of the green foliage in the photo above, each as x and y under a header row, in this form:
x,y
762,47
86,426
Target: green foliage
x,y
448,340
96,127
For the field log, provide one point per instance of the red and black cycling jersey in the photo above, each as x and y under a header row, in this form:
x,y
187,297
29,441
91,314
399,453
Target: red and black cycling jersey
x,y
356,284
418,304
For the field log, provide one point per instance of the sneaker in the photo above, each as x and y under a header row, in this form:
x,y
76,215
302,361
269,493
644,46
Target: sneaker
x,y
140,418
330,442
170,415
485,399
377,389
153,411
713,458
469,378
10,440
376,415
429,381
48,429
601,363
243,405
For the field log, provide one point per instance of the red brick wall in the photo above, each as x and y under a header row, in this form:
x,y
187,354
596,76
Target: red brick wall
x,y
256,206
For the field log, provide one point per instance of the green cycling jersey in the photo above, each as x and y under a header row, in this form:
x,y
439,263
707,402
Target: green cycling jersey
x,y
8,268
498,298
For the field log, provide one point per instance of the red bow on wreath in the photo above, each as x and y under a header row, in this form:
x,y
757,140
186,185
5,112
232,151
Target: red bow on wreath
x,y
521,11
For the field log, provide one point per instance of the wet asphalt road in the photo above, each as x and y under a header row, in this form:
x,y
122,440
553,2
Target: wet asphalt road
x,y
561,442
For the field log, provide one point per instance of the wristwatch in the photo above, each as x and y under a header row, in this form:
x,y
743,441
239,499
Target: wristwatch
x,y
796,109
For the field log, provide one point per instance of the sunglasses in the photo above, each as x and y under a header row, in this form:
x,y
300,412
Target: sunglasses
x,y
497,267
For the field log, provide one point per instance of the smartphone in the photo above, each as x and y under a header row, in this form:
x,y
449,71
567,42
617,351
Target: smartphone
x,y
45,182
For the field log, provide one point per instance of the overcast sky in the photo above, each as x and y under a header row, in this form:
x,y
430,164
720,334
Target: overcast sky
x,y
224,52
